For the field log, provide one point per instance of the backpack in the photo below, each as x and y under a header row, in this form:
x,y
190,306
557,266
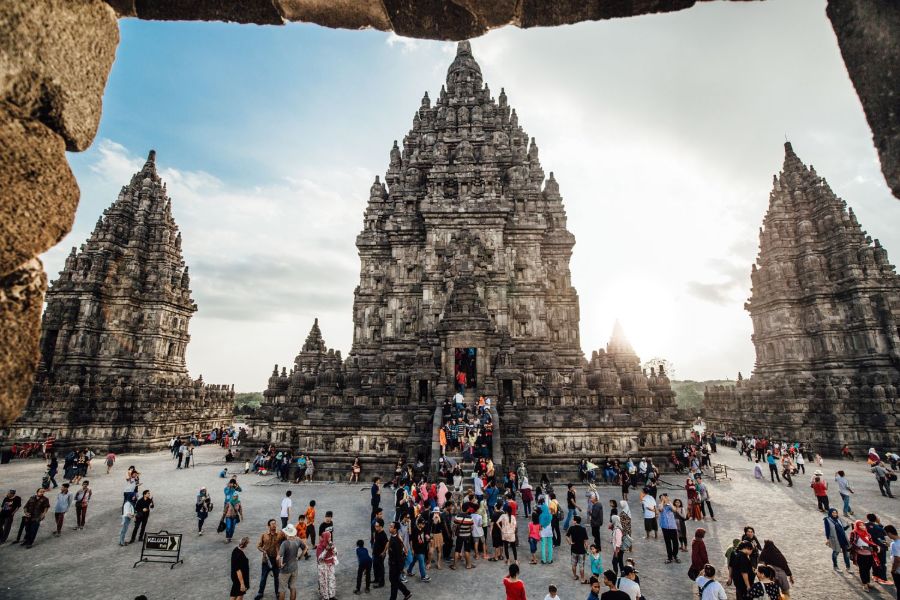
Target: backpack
x,y
703,589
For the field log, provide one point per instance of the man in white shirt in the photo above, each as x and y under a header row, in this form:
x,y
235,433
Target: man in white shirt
x,y
844,490
710,589
648,503
627,584
286,505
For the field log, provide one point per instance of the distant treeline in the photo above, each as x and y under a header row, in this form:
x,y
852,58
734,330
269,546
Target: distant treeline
x,y
689,394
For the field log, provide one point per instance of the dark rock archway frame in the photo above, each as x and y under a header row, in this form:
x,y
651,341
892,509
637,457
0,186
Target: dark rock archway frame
x,y
55,57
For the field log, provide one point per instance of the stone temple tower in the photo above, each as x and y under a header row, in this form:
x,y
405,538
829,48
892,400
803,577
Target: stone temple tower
x,y
464,270
825,305
115,331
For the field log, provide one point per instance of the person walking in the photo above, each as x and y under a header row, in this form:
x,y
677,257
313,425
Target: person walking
x,y
8,507
127,518
380,544
875,529
203,506
820,489
545,519
572,507
419,539
240,570
82,498
286,505
110,461
363,567
705,504
396,561
844,490
699,556
773,467
894,565
234,514
837,539
142,515
34,512
268,546
63,504
865,549
288,551
884,476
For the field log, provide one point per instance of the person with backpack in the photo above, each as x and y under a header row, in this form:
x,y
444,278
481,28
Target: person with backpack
x,y
707,586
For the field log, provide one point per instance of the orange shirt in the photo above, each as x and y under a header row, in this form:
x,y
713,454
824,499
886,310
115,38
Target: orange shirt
x,y
301,530
310,516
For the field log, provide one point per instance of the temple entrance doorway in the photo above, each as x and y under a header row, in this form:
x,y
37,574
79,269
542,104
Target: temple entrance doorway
x,y
465,371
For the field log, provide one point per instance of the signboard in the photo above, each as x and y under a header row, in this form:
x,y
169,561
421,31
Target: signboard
x,y
161,547
720,471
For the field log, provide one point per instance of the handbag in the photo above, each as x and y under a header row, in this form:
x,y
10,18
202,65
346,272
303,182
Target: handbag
x,y
221,526
693,573
626,542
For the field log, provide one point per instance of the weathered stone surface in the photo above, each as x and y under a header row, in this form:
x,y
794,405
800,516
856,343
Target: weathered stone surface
x,y
465,261
868,32
114,335
38,193
55,56
349,14
825,306
21,301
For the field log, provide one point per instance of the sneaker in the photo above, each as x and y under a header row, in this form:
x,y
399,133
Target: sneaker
x,y
199,533
356,592
403,578
426,579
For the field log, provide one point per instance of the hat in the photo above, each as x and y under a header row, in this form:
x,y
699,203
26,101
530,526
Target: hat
x,y
818,472
290,531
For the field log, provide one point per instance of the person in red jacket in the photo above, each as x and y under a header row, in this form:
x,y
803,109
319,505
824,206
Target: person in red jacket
x,y
820,489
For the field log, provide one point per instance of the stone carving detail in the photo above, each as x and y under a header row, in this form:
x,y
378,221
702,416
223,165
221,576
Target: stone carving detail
x,y
825,305
115,331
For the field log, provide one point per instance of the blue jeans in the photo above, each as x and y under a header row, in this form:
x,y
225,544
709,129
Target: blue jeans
x,y
834,555
266,569
569,514
126,521
230,524
419,558
846,500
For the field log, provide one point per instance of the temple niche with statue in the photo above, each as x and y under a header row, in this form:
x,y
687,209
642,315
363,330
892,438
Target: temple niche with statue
x,y
114,334
465,267
825,305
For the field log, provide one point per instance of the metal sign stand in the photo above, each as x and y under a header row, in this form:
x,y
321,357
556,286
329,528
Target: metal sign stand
x,y
720,472
161,547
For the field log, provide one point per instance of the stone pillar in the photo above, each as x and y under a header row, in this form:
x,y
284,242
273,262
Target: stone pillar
x,y
55,56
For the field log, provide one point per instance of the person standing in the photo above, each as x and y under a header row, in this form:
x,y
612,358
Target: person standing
x,y
127,518
10,504
515,587
363,567
616,535
836,538
771,556
418,538
234,514
63,504
669,525
613,593
894,565
627,583
648,503
110,461
596,518
240,570
34,512
844,490
572,507
326,559
396,561
269,543
142,515
380,543
865,549
699,556
577,536
203,507
709,588
883,477
741,570
288,551
507,524
286,505
773,467
82,498
875,529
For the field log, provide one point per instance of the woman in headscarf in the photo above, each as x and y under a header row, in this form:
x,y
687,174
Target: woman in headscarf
x,y
326,559
441,494
699,557
234,514
527,496
836,528
873,457
866,553
773,557
625,517
203,506
616,534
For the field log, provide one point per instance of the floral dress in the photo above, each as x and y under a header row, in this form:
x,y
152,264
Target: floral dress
x,y
768,590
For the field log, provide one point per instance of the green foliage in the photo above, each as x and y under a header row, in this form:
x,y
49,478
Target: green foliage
x,y
689,394
249,400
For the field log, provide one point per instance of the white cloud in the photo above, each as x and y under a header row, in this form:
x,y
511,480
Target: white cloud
x,y
406,44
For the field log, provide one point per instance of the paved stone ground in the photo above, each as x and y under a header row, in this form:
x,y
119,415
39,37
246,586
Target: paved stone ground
x,y
89,564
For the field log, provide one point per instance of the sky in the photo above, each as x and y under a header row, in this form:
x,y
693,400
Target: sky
x,y
663,132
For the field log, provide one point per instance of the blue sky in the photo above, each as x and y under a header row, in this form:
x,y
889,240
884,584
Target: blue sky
x,y
663,131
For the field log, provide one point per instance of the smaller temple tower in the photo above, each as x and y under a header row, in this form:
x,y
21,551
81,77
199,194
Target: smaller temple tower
x,y
114,334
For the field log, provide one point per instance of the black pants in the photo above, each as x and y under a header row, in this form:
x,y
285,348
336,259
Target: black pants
x,y
311,533
557,536
359,575
864,562
284,521
595,531
180,458
22,523
802,468
378,568
506,548
822,502
618,561
897,584
396,584
6,521
704,505
139,522
773,473
671,538
31,530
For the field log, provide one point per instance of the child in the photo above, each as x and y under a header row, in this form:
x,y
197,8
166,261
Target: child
x,y
246,467
311,521
596,561
534,538
757,470
551,592
365,565
819,460
301,535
